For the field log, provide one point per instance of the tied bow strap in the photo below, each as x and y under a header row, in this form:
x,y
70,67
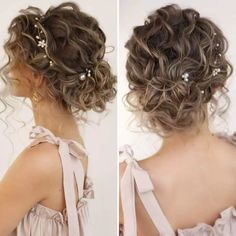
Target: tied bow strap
x,y
76,149
135,176
88,189
70,153
126,152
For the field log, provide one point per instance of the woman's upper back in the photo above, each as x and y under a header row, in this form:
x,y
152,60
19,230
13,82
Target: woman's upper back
x,y
182,194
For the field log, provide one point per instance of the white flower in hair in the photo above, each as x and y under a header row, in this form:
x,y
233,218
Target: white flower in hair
x,y
42,43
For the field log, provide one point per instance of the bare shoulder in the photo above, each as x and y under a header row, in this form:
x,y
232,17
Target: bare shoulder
x,y
122,167
43,157
39,164
32,175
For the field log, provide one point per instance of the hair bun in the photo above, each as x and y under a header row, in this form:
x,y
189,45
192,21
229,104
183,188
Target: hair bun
x,y
191,14
69,53
175,65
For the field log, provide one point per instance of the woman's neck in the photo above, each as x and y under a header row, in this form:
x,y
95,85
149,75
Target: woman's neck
x,y
59,121
197,138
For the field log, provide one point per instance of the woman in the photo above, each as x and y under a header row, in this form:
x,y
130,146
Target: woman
x,y
56,60
176,68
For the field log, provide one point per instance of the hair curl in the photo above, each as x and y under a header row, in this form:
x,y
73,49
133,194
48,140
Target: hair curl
x,y
75,42
174,41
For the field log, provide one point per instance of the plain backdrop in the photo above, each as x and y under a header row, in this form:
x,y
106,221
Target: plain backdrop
x,y
134,12
99,135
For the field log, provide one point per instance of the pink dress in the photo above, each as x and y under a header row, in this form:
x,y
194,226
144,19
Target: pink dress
x,y
74,220
136,180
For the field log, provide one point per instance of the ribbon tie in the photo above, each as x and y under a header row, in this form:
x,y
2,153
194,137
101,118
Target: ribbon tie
x,y
75,148
88,189
133,176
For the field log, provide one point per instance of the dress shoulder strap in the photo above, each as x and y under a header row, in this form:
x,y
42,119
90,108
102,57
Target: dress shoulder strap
x,y
135,179
70,153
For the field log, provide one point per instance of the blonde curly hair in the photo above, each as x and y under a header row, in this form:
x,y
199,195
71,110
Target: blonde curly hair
x,y
75,43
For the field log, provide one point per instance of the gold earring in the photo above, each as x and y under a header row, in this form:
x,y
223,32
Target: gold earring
x,y
36,97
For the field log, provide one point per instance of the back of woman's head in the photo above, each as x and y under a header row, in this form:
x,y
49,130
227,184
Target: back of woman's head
x,y
66,46
176,64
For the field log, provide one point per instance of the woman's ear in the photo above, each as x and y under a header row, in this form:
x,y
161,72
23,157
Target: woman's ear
x,y
38,79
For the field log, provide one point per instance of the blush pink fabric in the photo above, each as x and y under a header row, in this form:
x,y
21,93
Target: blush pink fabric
x,y
136,180
74,220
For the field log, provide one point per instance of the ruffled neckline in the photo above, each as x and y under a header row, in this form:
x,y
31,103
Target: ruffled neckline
x,y
225,217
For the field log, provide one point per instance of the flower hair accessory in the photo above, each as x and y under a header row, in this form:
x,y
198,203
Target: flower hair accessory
x,y
41,38
42,43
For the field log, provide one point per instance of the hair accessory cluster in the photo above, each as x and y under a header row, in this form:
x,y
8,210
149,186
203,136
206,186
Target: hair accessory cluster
x,y
41,38
215,71
86,74
42,43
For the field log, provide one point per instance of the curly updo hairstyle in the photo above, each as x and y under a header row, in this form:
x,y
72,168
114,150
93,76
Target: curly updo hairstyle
x,y
176,64
75,43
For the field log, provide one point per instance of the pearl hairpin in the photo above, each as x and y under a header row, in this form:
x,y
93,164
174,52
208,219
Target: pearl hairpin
x,y
87,73
185,77
82,76
216,71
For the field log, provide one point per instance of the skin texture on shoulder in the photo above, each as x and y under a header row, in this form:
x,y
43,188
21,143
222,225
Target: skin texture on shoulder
x,y
191,172
28,181
195,175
